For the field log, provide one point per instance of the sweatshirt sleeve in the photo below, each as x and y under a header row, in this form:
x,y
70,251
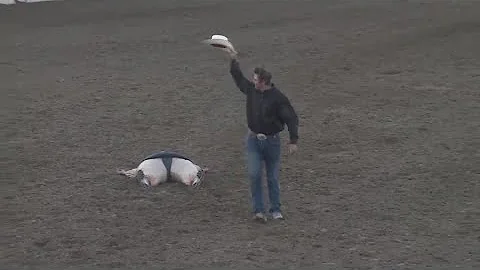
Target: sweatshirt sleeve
x,y
242,83
289,116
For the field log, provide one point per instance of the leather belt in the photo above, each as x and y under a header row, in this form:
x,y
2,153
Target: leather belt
x,y
261,136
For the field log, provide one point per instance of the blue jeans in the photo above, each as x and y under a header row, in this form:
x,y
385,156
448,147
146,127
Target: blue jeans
x,y
259,152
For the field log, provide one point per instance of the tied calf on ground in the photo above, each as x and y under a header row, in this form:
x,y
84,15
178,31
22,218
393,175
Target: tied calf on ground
x,y
165,167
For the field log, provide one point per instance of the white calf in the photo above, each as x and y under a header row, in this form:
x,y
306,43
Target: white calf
x,y
156,171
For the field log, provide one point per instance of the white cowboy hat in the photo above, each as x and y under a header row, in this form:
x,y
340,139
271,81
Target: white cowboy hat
x,y
219,41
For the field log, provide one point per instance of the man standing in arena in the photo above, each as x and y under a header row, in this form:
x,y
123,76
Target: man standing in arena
x,y
268,110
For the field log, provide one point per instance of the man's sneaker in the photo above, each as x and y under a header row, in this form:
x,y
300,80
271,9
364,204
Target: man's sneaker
x,y
260,217
277,215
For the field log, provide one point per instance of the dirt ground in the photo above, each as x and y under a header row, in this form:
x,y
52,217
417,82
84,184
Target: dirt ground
x,y
388,169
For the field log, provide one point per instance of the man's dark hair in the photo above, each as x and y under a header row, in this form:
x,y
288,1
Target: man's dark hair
x,y
263,75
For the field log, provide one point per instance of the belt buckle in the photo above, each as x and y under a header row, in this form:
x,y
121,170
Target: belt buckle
x,y
261,136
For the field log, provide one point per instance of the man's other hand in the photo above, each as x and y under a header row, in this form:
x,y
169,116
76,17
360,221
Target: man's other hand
x,y
292,148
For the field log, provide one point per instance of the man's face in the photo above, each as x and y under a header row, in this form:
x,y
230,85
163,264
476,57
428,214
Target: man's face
x,y
258,83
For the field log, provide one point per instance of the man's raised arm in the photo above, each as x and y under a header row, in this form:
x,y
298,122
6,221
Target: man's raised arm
x,y
242,83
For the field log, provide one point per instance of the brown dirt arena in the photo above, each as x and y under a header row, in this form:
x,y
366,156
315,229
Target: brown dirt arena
x,y
388,169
